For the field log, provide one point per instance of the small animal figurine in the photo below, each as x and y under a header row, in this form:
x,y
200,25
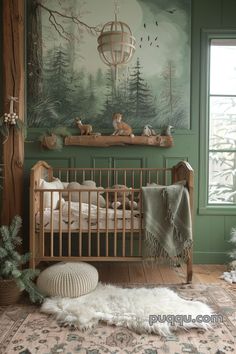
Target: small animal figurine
x,y
85,129
148,131
121,128
167,131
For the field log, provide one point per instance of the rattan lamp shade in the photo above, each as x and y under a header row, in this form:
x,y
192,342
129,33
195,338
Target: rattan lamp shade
x,y
116,45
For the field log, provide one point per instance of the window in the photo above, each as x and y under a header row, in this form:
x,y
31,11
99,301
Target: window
x,y
218,123
222,122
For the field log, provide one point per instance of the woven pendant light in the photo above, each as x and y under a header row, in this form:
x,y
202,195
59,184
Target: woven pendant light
x,y
116,44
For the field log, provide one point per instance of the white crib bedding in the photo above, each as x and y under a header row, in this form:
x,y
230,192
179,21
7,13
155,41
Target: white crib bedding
x,y
70,215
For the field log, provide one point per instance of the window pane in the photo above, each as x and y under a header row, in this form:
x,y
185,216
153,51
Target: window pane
x,y
222,177
223,70
222,123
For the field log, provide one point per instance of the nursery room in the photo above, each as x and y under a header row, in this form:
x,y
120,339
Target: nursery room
x,y
117,176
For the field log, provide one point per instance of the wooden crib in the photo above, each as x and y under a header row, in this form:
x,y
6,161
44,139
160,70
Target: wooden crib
x,y
86,231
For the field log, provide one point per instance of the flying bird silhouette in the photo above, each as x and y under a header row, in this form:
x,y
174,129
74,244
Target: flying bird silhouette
x,y
171,11
150,43
156,38
156,23
144,25
157,45
141,39
140,46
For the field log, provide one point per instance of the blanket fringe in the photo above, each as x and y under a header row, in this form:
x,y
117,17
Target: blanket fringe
x,y
160,256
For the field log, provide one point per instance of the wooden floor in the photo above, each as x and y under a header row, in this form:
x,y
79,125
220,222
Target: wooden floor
x,y
138,272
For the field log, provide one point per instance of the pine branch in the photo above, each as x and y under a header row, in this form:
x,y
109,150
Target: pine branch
x,y
15,226
5,233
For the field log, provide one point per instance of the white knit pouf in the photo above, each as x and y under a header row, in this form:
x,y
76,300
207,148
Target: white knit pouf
x,y
68,279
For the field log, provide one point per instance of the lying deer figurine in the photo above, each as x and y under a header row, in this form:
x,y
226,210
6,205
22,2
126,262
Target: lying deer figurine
x,y
85,129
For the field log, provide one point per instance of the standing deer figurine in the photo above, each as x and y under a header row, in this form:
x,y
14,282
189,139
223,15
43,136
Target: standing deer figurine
x,y
85,129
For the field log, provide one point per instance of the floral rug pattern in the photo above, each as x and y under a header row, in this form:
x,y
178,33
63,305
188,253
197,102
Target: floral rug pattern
x,y
24,330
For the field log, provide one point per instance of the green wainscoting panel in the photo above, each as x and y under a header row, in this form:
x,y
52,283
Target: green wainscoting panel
x,y
202,231
101,161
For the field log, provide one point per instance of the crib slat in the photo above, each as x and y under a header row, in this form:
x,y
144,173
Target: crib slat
x,y
80,225
124,177
107,243
140,227
69,224
98,225
51,225
89,223
100,178
141,178
149,176
41,226
123,225
108,179
132,225
132,179
60,226
115,225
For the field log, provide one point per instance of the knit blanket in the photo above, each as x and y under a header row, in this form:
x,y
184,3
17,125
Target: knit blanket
x,y
167,222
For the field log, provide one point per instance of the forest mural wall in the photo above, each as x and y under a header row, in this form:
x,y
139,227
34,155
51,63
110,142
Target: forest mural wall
x,y
66,77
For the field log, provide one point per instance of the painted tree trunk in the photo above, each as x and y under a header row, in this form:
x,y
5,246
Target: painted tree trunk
x,y
13,85
34,50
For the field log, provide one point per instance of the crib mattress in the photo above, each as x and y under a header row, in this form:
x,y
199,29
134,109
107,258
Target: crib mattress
x,y
98,218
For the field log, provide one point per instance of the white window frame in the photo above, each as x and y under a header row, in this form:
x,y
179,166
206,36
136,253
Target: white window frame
x,y
204,207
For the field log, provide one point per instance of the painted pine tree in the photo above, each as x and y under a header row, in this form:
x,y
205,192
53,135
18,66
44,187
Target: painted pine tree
x,y
57,82
141,102
170,98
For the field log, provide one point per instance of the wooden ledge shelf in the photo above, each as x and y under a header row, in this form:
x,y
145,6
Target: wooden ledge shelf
x,y
111,140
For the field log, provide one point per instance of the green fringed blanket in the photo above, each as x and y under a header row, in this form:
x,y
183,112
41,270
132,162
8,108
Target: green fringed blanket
x,y
167,222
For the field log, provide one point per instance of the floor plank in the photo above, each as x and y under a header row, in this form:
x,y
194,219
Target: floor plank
x,y
215,271
120,271
169,275
141,272
136,273
152,273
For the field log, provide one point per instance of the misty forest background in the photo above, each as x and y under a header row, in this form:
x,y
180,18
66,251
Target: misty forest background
x,y
59,91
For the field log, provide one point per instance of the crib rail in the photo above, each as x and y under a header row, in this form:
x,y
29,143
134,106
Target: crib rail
x,y
106,177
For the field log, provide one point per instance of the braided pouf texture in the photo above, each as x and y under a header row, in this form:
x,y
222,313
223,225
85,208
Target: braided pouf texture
x,y
70,279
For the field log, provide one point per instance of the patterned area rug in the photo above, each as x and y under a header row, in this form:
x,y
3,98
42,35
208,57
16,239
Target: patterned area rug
x,y
23,330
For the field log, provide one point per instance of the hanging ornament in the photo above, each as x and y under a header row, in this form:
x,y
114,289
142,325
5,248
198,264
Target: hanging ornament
x,y
10,119
116,44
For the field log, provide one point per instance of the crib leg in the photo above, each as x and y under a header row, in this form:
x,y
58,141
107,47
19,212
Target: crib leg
x,y
190,268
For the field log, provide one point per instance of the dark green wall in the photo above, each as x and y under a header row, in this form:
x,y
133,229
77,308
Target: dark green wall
x,y
211,233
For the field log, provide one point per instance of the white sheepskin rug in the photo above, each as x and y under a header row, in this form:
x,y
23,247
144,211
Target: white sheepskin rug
x,y
135,308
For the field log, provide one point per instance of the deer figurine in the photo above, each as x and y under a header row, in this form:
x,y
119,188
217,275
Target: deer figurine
x,y
85,129
121,128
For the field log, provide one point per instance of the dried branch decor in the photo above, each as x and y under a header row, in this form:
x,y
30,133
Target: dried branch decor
x,y
10,120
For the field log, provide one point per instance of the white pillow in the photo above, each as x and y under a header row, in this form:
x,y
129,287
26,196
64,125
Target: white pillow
x,y
85,195
55,184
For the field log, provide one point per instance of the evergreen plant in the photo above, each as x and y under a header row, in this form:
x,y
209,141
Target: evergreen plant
x,y
11,261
